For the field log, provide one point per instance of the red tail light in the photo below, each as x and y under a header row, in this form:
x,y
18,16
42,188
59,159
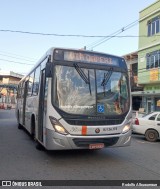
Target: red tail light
x,y
137,121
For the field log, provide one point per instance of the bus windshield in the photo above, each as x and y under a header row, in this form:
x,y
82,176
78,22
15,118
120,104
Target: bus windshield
x,y
84,91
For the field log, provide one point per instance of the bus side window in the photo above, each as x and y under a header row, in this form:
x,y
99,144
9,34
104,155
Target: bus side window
x,y
22,88
36,81
19,91
43,65
30,84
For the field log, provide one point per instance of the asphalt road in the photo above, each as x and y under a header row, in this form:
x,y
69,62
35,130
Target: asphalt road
x,y
19,159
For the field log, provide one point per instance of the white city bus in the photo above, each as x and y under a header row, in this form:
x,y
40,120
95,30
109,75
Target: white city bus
x,y
75,99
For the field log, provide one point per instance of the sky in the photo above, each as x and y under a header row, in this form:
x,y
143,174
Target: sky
x,y
20,51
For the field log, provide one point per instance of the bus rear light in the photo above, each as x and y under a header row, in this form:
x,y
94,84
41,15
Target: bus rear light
x,y
58,126
136,121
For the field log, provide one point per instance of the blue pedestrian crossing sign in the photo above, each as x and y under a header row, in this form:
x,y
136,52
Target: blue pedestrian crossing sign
x,y
100,108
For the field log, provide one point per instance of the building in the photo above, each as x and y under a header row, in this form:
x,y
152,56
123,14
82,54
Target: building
x,y
132,64
8,88
149,57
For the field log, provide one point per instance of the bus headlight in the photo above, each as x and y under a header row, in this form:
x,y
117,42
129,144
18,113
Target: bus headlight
x,y
126,128
58,126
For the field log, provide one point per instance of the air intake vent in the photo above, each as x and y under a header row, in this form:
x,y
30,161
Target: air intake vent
x,y
96,122
84,142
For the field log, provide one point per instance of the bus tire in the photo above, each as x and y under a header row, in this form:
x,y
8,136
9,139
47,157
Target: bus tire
x,y
33,127
20,126
39,146
151,135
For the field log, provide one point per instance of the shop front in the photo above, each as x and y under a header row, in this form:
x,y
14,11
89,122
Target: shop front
x,y
150,98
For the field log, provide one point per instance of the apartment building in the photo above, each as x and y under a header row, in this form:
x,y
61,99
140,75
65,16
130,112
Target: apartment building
x,y
149,57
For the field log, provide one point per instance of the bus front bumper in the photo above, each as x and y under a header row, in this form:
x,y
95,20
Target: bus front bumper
x,y
56,141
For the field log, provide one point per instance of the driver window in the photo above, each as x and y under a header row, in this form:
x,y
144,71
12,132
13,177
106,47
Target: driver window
x,y
123,88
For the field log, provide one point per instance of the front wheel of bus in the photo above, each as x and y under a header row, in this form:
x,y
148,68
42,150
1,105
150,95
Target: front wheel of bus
x,y
39,146
19,126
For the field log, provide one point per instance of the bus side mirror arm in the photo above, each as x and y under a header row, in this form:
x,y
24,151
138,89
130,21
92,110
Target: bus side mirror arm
x,y
49,69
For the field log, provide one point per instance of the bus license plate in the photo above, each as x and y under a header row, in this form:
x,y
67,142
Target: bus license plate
x,y
96,146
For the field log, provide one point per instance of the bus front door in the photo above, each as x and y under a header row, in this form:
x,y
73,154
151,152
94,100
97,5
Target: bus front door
x,y
41,111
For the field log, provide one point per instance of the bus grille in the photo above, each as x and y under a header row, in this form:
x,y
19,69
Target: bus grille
x,y
80,142
95,123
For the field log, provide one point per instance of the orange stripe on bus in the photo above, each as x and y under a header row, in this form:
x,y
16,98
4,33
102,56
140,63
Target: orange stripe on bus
x,y
84,130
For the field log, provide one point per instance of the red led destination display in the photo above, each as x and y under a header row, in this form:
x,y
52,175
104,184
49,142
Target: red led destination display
x,y
84,57
79,56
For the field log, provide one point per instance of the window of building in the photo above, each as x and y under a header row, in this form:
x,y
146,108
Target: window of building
x,y
156,60
153,60
154,26
149,28
135,69
158,25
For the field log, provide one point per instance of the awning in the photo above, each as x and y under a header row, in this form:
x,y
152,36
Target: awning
x,y
145,93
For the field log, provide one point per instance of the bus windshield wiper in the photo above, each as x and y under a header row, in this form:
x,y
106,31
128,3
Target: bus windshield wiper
x,y
83,76
106,77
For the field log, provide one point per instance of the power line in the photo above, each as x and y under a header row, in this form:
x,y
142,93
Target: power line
x,y
27,58
96,43
92,45
16,62
16,57
79,35
49,34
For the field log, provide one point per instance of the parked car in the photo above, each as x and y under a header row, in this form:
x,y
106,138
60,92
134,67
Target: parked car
x,y
148,125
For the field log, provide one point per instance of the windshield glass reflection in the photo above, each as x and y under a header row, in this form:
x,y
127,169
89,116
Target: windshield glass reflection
x,y
112,94
89,91
73,93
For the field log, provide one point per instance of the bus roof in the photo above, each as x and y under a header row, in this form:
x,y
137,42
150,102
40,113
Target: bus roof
x,y
50,51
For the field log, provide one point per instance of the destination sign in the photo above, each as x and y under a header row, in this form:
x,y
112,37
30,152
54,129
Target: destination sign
x,y
86,57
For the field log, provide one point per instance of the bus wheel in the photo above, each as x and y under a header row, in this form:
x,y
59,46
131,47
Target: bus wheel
x,y
19,125
39,146
151,135
33,128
